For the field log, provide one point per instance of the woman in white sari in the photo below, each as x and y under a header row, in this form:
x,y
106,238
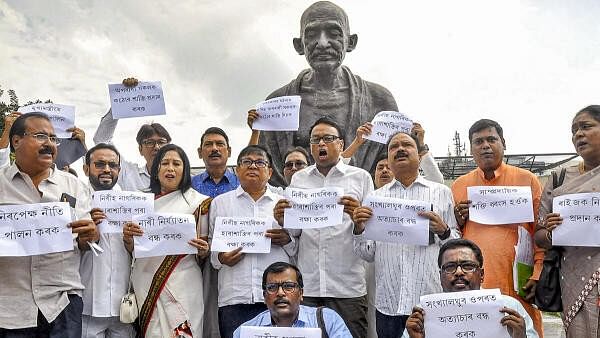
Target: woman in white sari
x,y
168,289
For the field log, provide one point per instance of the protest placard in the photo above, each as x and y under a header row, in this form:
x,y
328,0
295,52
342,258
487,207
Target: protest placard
x,y
523,264
279,113
313,208
164,234
279,332
247,233
145,99
387,123
120,206
581,220
397,220
35,229
61,116
466,314
500,204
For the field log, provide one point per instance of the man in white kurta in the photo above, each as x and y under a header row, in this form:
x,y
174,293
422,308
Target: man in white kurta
x,y
240,274
105,275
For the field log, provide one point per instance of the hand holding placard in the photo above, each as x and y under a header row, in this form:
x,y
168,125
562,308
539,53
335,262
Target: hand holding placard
x,y
279,113
143,99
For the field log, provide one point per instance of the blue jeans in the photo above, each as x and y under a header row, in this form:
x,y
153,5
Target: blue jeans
x,y
66,325
232,316
390,326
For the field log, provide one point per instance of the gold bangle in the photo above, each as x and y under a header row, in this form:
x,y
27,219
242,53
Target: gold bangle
x,y
548,235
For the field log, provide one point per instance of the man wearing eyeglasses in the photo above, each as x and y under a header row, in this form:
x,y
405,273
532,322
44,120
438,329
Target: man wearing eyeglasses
x,y
405,272
105,276
296,159
150,138
240,291
334,275
41,295
283,289
461,269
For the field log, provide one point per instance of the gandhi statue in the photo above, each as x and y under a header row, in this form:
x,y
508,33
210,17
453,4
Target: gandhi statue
x,y
327,88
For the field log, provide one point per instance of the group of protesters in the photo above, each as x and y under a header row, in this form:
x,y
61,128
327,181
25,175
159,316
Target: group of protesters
x,y
347,285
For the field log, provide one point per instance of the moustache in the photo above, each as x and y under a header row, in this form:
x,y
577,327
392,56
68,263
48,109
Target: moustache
x,y
461,280
329,52
400,154
215,153
46,150
281,301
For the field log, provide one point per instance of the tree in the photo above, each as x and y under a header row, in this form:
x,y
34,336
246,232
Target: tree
x,y
13,105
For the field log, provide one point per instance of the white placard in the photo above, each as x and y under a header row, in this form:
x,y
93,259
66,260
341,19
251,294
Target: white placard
x,y
313,208
35,229
464,314
279,332
387,123
500,204
396,220
164,234
145,99
581,220
120,206
247,233
279,113
61,116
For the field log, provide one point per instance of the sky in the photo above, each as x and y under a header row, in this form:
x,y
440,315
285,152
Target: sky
x,y
530,65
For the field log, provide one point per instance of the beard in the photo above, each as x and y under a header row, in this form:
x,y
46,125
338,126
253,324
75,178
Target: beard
x,y
98,185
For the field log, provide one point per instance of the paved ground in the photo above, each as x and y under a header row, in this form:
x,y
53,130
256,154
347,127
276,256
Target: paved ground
x,y
553,327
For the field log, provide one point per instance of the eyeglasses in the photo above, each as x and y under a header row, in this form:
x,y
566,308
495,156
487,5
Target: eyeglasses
x,y
246,163
325,138
467,267
149,143
288,287
103,164
41,138
298,164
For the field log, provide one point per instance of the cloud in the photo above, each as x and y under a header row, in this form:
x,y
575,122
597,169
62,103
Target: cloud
x,y
529,65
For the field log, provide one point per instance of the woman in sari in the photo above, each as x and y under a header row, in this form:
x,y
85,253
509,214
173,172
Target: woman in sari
x,y
579,264
168,289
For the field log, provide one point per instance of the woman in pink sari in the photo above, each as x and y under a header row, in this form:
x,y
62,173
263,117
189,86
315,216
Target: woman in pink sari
x,y
168,289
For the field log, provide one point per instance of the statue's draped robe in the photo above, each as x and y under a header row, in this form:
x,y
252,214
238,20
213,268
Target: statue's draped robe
x,y
366,100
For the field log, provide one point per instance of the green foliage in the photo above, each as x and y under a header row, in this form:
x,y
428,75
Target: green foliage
x,y
13,105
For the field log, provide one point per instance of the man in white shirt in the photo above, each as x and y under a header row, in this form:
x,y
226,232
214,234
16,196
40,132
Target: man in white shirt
x,y
405,272
240,274
41,294
333,275
466,255
150,138
105,276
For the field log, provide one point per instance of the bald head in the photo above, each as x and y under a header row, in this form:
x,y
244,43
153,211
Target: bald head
x,y
324,10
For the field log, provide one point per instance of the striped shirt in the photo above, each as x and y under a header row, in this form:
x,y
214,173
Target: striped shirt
x,y
405,272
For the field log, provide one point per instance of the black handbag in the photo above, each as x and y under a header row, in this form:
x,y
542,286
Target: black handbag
x,y
547,291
